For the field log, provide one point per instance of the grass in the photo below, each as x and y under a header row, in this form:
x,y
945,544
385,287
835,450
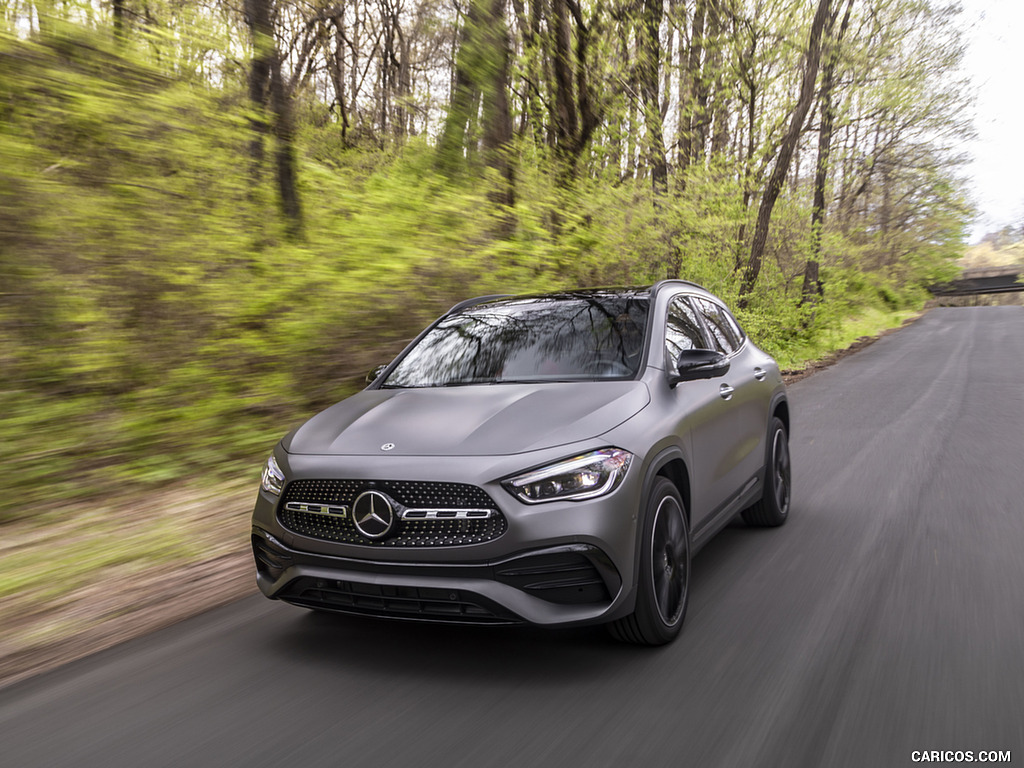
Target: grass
x,y
63,550
870,322
55,555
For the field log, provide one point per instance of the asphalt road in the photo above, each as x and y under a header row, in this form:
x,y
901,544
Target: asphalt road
x,y
885,618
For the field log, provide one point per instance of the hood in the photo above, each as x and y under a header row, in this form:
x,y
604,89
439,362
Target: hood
x,y
485,420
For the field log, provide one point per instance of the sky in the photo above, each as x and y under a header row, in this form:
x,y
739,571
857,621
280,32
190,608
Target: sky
x,y
994,31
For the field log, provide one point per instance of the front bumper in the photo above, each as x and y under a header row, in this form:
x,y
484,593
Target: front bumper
x,y
568,584
560,563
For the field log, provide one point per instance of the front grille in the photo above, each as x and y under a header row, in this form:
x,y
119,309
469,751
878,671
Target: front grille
x,y
440,514
424,604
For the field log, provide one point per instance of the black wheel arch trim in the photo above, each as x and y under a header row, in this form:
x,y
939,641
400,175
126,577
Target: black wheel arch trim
x,y
780,399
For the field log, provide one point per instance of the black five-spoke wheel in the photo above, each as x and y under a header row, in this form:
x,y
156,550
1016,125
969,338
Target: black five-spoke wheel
x,y
664,587
773,507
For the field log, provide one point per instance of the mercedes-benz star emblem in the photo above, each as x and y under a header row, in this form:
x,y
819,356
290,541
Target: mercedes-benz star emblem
x,y
387,447
373,515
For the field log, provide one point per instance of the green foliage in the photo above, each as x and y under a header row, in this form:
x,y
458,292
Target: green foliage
x,y
157,324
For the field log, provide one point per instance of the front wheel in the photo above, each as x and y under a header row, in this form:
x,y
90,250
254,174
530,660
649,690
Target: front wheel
x,y
773,508
663,591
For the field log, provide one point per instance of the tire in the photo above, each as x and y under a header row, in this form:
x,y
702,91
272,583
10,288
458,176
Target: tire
x,y
663,591
772,510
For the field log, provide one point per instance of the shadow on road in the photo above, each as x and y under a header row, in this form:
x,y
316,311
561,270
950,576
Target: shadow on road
x,y
338,643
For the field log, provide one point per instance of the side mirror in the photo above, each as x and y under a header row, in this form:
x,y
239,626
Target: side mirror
x,y
693,364
375,373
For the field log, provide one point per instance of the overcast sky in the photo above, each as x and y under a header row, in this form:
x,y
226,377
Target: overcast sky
x,y
995,62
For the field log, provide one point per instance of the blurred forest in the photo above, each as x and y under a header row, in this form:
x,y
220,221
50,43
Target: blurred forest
x,y
216,216
1003,248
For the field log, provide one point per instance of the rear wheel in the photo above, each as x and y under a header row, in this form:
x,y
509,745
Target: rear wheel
x,y
773,507
664,588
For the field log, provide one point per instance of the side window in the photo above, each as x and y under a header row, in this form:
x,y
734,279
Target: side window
x,y
734,324
724,329
683,330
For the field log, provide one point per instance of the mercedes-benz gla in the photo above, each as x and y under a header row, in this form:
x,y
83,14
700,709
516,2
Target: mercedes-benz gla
x,y
552,459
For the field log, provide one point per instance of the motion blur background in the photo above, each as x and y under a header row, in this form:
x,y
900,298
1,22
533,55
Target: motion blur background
x,y
214,219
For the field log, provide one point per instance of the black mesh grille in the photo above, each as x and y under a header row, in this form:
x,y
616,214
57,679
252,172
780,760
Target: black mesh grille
x,y
425,604
442,532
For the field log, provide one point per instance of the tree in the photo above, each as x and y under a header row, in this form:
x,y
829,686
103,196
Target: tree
x,y
649,67
812,285
480,96
267,92
574,114
789,143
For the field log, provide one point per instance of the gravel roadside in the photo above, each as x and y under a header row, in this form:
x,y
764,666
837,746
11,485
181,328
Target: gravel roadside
x,y
64,614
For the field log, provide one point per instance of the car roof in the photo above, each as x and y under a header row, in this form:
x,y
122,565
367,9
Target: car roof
x,y
634,291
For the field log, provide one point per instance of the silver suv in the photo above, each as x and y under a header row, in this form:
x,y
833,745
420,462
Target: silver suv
x,y
553,459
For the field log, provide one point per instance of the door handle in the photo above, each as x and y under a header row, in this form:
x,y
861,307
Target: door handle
x,y
726,391
760,373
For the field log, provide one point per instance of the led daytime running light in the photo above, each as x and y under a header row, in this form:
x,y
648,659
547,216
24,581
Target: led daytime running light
x,y
272,480
576,479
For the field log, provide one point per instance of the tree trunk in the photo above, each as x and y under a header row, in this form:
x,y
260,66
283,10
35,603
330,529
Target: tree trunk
x,y
566,119
284,133
266,84
812,285
481,88
630,123
650,64
337,72
465,99
257,16
720,110
497,115
688,105
533,50
573,113
119,14
746,67
774,188
701,125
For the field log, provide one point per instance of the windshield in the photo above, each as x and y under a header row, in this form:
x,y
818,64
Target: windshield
x,y
551,338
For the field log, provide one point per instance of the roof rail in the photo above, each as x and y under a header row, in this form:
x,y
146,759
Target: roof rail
x,y
676,281
479,300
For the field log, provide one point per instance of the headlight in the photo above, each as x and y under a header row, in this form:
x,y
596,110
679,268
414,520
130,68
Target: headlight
x,y
273,478
575,479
